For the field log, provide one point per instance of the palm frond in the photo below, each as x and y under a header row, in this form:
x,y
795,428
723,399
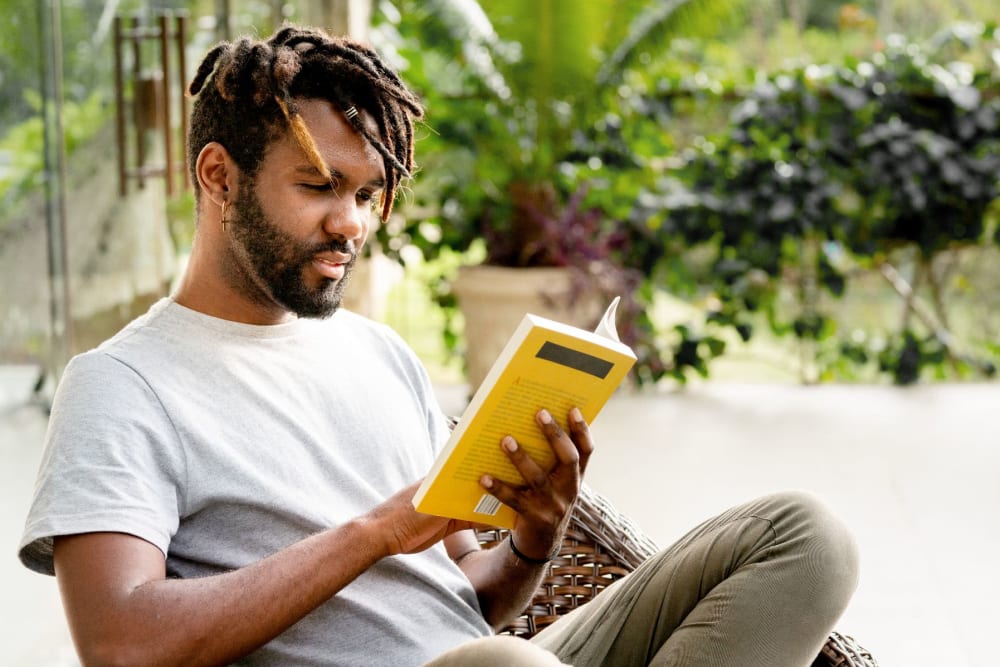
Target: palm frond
x,y
469,25
662,21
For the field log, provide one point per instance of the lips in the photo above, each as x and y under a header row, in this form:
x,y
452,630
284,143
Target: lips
x,y
332,264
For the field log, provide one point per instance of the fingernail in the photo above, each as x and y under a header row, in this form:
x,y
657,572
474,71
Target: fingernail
x,y
509,444
486,481
545,417
575,415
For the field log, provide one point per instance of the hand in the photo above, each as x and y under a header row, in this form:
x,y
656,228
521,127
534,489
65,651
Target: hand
x,y
406,531
544,502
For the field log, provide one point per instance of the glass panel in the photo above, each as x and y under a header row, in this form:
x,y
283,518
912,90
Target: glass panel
x,y
29,182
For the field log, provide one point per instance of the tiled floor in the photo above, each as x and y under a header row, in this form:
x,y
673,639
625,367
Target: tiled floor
x,y
913,471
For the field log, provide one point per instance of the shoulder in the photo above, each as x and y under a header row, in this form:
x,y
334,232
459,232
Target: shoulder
x,y
102,397
384,346
106,369
96,373
366,333
141,337
353,321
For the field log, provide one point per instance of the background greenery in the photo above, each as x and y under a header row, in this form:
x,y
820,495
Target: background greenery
x,y
759,185
807,184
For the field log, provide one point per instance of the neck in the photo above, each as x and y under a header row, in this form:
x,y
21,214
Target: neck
x,y
205,288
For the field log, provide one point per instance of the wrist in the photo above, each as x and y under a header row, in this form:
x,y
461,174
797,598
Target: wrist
x,y
531,560
369,530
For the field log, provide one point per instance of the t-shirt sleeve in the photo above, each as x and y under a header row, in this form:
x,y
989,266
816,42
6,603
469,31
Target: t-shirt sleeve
x,y
112,462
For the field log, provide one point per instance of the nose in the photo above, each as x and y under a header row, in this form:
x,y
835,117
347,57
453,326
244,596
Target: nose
x,y
347,220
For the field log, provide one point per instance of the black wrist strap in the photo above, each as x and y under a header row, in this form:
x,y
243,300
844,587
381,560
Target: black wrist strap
x,y
528,559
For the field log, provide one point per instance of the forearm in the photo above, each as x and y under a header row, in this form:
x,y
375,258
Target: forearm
x,y
504,583
216,619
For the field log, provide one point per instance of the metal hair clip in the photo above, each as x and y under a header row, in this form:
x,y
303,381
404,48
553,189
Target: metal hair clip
x,y
351,113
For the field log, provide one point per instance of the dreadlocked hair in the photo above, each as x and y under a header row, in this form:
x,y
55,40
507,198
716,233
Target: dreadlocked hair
x,y
246,92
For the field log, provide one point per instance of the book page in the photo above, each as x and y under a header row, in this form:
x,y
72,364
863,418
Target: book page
x,y
606,327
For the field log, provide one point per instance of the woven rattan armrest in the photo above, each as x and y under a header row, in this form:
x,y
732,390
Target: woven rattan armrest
x,y
600,547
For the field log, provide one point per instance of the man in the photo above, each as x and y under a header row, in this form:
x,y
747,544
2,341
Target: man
x,y
229,478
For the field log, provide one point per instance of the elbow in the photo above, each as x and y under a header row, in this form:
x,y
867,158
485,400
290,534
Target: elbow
x,y
498,616
119,652
116,652
110,654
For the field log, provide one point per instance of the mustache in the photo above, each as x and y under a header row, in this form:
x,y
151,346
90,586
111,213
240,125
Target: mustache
x,y
345,247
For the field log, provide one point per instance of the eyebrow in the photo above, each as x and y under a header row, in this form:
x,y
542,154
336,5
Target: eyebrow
x,y
310,170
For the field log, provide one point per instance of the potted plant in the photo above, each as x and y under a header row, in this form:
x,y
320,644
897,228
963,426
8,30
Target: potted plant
x,y
823,174
525,157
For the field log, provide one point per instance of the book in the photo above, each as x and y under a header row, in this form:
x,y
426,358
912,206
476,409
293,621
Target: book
x,y
545,364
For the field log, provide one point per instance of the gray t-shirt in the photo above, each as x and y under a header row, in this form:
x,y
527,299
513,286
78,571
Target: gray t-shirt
x,y
222,443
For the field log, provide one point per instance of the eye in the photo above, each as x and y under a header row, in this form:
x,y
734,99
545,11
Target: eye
x,y
370,199
317,187
321,186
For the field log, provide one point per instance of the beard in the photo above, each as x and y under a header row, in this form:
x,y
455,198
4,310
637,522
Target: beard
x,y
277,261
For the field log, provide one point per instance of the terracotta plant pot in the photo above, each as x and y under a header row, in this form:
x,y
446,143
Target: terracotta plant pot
x,y
494,299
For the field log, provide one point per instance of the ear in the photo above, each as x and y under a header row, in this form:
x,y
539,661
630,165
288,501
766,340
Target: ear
x,y
217,174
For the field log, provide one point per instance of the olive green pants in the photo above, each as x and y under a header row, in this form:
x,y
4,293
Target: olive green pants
x,y
760,585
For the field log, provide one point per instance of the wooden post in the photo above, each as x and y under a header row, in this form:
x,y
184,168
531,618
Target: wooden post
x,y
340,17
140,149
168,144
181,38
120,109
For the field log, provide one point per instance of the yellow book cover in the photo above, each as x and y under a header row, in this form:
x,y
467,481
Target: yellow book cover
x,y
545,364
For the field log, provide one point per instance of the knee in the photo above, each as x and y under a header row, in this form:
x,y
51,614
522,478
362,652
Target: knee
x,y
822,543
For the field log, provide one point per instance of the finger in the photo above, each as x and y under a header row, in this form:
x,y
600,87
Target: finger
x,y
503,491
561,443
532,473
580,433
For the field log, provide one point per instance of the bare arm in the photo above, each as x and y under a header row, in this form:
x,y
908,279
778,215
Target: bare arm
x,y
123,611
503,582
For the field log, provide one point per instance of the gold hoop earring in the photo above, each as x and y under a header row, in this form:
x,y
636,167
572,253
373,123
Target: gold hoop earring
x,y
225,221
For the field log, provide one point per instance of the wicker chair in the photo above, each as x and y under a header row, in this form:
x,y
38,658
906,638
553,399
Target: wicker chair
x,y
602,546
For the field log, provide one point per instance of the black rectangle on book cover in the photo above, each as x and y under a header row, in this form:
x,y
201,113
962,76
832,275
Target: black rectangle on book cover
x,y
575,359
